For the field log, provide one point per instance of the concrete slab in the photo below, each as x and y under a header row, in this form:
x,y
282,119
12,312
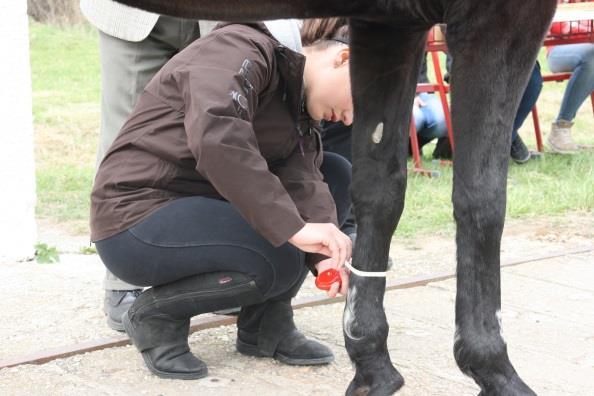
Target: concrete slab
x,y
546,317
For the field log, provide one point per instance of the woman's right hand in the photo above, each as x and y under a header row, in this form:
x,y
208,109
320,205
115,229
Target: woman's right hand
x,y
337,287
326,239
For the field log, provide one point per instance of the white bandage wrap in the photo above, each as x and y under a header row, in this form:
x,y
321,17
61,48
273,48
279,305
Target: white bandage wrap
x,y
367,274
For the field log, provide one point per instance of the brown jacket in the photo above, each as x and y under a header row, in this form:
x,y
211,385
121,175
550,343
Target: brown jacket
x,y
223,119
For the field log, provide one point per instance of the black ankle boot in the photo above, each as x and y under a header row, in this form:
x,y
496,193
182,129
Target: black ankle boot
x,y
163,344
276,336
158,322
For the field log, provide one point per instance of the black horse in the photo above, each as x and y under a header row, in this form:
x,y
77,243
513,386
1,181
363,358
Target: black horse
x,y
494,45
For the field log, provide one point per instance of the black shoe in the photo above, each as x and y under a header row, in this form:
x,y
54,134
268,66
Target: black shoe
x,y
519,152
117,302
158,322
294,349
443,149
277,337
163,344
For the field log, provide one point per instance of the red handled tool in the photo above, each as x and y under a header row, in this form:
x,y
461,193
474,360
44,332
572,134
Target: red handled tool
x,y
327,278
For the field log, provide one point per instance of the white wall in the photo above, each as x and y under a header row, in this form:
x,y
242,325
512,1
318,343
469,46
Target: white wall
x,y
18,231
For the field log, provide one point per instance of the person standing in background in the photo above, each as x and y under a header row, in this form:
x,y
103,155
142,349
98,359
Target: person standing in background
x,y
133,46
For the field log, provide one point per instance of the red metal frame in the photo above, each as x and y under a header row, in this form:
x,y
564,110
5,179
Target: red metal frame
x,y
416,153
434,45
443,90
570,32
537,133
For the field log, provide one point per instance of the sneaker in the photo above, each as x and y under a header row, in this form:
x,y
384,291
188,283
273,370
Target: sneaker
x,y
117,302
519,152
559,140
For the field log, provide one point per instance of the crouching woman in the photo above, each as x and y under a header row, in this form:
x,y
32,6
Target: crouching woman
x,y
212,195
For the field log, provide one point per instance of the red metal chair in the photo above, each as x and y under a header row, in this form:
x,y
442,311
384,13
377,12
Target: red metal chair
x,y
435,44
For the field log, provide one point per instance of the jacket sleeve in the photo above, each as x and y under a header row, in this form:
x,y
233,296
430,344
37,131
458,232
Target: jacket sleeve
x,y
300,175
220,90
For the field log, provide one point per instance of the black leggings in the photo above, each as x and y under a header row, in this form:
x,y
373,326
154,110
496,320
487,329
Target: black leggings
x,y
195,235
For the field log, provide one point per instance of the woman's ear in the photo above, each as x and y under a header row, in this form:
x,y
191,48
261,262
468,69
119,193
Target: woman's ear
x,y
342,57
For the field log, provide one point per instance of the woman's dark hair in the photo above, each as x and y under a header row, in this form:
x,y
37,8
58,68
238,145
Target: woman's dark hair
x,y
323,32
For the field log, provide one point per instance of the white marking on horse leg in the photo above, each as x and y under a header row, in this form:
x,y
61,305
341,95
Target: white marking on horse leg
x,y
376,136
498,315
348,319
457,335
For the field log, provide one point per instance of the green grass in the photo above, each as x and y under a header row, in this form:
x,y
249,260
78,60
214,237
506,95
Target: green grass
x,y
66,97
66,106
549,186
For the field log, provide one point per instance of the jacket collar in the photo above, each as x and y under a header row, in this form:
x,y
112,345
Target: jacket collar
x,y
291,66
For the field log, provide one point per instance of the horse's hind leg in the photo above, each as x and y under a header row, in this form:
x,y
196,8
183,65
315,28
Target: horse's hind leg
x,y
384,67
494,47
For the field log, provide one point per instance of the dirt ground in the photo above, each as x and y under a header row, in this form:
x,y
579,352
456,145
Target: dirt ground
x,y
550,336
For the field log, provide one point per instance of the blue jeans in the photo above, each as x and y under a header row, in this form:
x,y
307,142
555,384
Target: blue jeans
x,y
528,100
578,59
429,119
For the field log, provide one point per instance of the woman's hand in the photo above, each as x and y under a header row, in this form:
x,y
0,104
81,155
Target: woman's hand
x,y
326,239
418,102
336,287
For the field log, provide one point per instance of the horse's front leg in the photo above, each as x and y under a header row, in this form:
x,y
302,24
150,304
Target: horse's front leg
x,y
385,64
494,49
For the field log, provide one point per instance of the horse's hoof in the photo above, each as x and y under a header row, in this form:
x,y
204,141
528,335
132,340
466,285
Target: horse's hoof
x,y
357,390
380,385
512,387
357,387
387,387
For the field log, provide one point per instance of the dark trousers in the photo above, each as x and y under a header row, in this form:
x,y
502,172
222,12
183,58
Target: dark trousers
x,y
195,235
336,138
529,99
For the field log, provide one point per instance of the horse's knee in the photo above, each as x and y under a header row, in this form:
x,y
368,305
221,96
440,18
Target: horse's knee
x,y
376,184
480,211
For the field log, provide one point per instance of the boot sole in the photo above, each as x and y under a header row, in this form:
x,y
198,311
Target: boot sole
x,y
117,326
559,151
522,160
252,350
129,329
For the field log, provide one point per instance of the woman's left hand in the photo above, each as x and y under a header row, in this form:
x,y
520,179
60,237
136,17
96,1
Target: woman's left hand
x,y
418,102
343,271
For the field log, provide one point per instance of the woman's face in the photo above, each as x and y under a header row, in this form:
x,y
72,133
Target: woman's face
x,y
328,86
